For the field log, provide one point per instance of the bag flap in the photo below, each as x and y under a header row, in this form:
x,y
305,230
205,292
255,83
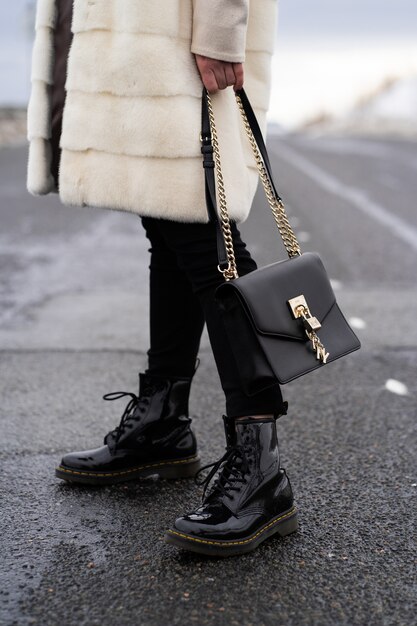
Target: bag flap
x,y
265,293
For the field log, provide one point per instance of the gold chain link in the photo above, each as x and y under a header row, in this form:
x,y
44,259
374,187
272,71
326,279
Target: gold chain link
x,y
231,271
277,206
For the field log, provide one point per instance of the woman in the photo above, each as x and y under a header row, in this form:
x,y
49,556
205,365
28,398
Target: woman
x,y
114,122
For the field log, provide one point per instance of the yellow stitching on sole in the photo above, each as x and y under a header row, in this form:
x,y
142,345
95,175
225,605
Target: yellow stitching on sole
x,y
134,469
234,543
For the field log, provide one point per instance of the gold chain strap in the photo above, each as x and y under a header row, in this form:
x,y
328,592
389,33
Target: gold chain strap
x,y
276,205
231,271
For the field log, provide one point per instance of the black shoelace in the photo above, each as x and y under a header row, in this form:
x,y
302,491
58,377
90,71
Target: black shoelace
x,y
133,412
233,467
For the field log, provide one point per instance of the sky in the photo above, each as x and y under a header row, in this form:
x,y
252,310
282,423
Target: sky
x,y
361,19
329,52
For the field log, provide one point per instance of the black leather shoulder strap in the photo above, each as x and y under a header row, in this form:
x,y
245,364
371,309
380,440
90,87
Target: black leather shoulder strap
x,y
210,183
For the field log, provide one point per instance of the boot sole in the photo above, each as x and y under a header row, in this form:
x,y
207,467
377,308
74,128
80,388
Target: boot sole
x,y
283,525
179,468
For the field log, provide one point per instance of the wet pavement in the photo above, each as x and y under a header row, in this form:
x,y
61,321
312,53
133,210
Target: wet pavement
x,y
73,326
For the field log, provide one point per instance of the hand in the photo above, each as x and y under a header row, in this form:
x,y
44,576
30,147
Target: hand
x,y
217,74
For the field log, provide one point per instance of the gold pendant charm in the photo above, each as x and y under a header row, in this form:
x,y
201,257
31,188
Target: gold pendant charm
x,y
320,350
300,310
322,354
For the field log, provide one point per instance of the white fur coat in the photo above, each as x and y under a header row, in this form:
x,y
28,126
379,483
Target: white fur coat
x,y
131,121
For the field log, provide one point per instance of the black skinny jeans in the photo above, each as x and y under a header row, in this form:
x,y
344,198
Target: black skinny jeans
x,y
183,279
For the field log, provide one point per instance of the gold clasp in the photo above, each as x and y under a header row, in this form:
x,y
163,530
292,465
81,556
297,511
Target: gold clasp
x,y
300,310
229,273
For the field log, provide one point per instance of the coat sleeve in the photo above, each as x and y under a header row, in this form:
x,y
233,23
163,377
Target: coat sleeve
x,y
219,29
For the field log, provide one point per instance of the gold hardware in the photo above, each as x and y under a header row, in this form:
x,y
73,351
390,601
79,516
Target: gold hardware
x,y
228,273
297,303
310,323
300,310
321,354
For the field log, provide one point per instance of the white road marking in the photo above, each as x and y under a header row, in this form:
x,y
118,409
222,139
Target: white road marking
x,y
396,386
356,197
303,236
357,322
336,284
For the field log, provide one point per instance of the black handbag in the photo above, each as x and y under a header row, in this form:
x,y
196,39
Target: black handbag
x,y
282,320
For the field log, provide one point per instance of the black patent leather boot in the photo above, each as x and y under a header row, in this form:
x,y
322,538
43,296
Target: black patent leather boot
x,y
250,501
153,437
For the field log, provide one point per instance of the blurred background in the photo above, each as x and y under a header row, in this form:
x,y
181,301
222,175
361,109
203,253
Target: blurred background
x,y
348,65
73,326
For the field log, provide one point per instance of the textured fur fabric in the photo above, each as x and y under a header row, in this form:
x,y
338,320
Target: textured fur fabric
x,y
39,177
131,123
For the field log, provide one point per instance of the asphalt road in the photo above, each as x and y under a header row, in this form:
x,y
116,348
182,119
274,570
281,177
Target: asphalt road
x,y
73,326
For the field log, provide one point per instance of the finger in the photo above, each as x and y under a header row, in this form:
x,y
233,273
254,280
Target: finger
x,y
220,76
210,81
230,74
239,75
